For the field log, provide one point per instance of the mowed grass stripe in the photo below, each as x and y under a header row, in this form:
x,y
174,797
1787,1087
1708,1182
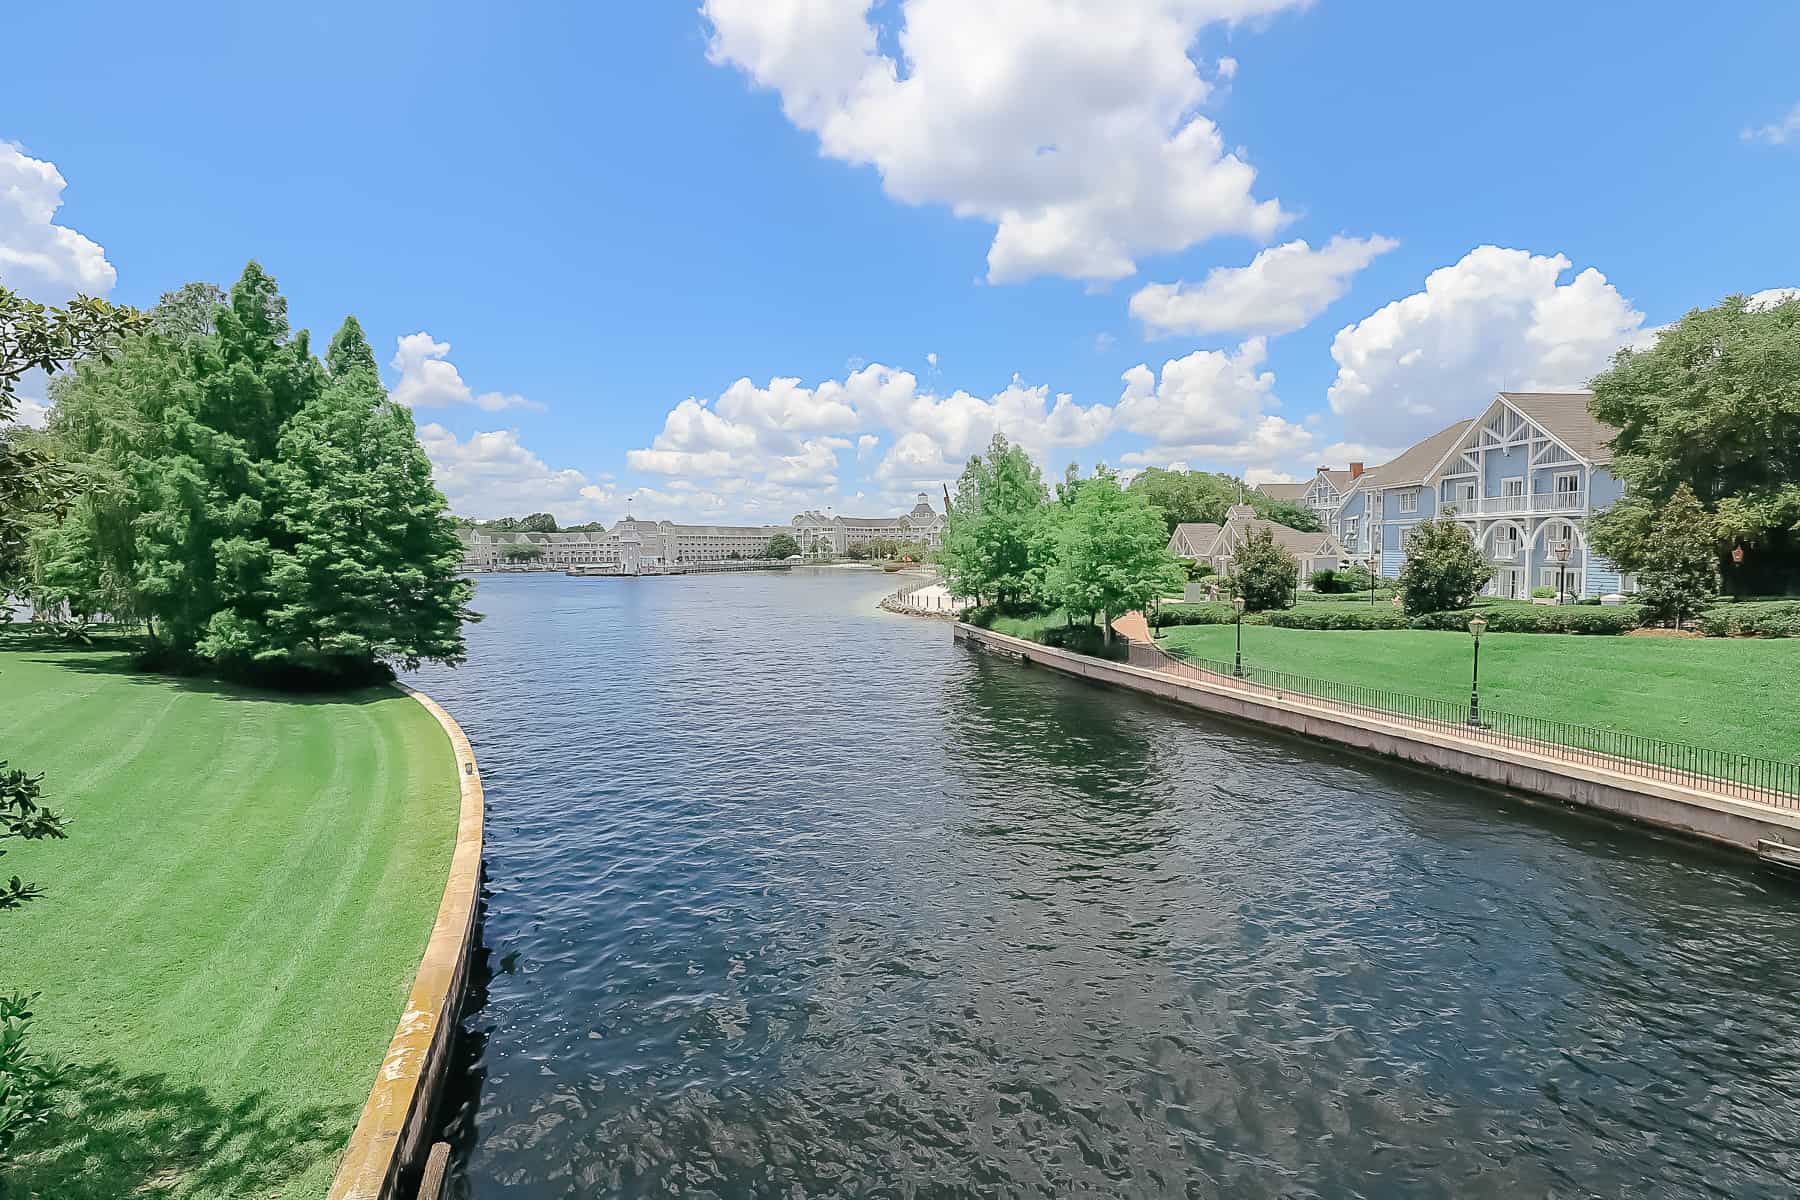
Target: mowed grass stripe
x,y
345,956
231,928
1729,694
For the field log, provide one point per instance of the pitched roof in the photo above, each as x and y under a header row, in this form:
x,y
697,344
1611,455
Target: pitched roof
x,y
1565,417
1297,542
1339,479
1284,491
1419,458
1200,535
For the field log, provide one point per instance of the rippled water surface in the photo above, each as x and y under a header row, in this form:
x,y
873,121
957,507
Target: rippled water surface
x,y
790,897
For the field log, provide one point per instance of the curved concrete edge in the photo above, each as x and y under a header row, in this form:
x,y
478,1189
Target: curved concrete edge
x,y
393,1133
1694,812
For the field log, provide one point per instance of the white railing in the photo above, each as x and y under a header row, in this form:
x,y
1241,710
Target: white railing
x,y
1535,502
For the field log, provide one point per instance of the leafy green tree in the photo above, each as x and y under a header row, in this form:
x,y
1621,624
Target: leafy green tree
x,y
1265,574
858,551
521,552
33,483
1714,405
262,512
1677,563
1443,568
782,545
1112,553
999,540
365,565
1204,496
26,1080
538,523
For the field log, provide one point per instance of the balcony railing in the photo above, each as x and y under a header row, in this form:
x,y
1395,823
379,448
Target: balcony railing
x,y
1506,506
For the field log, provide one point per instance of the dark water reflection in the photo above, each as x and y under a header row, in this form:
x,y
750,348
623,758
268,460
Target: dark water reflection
x,y
791,898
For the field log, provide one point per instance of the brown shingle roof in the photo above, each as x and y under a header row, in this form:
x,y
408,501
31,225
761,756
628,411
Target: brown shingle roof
x,y
1565,416
1199,535
1413,462
1284,491
1295,541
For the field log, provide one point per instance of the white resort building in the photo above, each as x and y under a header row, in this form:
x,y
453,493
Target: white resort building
x,y
633,543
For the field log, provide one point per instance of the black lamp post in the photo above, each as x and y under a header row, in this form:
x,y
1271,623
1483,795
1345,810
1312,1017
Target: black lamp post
x,y
1476,625
1237,667
1561,551
1372,564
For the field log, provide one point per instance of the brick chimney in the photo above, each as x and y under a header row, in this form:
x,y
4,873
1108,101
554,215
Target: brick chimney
x,y
1355,470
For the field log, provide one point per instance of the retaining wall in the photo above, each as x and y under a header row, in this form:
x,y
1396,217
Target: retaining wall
x,y
393,1135
1718,818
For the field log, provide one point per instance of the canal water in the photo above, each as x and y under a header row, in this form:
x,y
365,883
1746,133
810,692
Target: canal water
x,y
788,897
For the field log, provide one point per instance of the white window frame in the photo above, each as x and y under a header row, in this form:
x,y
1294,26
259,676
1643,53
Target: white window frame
x,y
1409,500
1511,479
1556,488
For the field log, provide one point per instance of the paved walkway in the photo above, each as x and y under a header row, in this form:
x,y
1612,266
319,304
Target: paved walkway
x,y
1133,627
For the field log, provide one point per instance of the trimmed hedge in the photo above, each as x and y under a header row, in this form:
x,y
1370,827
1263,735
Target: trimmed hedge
x,y
1770,619
1568,618
1337,616
1205,613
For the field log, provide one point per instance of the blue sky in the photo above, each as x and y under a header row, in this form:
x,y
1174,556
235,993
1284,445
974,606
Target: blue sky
x,y
938,217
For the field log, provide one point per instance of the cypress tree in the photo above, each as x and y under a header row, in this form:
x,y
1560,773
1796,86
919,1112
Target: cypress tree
x,y
367,571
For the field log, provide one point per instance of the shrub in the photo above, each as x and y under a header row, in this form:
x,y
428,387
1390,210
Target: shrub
x,y
1777,619
1336,616
1542,593
1443,568
1084,639
1325,582
1192,614
1539,619
1199,570
1266,573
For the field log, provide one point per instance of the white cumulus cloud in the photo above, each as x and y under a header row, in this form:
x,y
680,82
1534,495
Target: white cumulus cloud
x,y
1777,133
1208,405
1772,297
1282,289
790,436
492,475
1497,319
1071,127
39,258
428,379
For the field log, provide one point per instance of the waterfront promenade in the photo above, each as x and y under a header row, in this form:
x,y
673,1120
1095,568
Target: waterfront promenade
x,y
1745,814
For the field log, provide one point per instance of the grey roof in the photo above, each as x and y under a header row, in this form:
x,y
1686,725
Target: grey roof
x,y
1199,534
1284,491
1421,457
1565,416
1339,479
1297,542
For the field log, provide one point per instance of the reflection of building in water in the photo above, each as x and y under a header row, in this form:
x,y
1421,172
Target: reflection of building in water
x,y
633,544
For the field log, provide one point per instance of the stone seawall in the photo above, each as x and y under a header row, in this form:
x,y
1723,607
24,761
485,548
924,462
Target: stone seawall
x,y
1718,818
393,1136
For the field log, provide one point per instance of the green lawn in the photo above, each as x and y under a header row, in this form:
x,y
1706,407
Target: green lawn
x,y
230,929
1734,694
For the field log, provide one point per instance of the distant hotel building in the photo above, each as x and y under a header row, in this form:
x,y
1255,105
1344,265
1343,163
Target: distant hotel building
x,y
633,543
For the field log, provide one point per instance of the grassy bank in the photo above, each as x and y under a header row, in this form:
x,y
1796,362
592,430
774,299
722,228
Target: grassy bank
x,y
1726,694
231,927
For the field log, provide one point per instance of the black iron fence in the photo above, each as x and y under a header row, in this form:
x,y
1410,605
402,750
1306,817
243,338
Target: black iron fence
x,y
1745,776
